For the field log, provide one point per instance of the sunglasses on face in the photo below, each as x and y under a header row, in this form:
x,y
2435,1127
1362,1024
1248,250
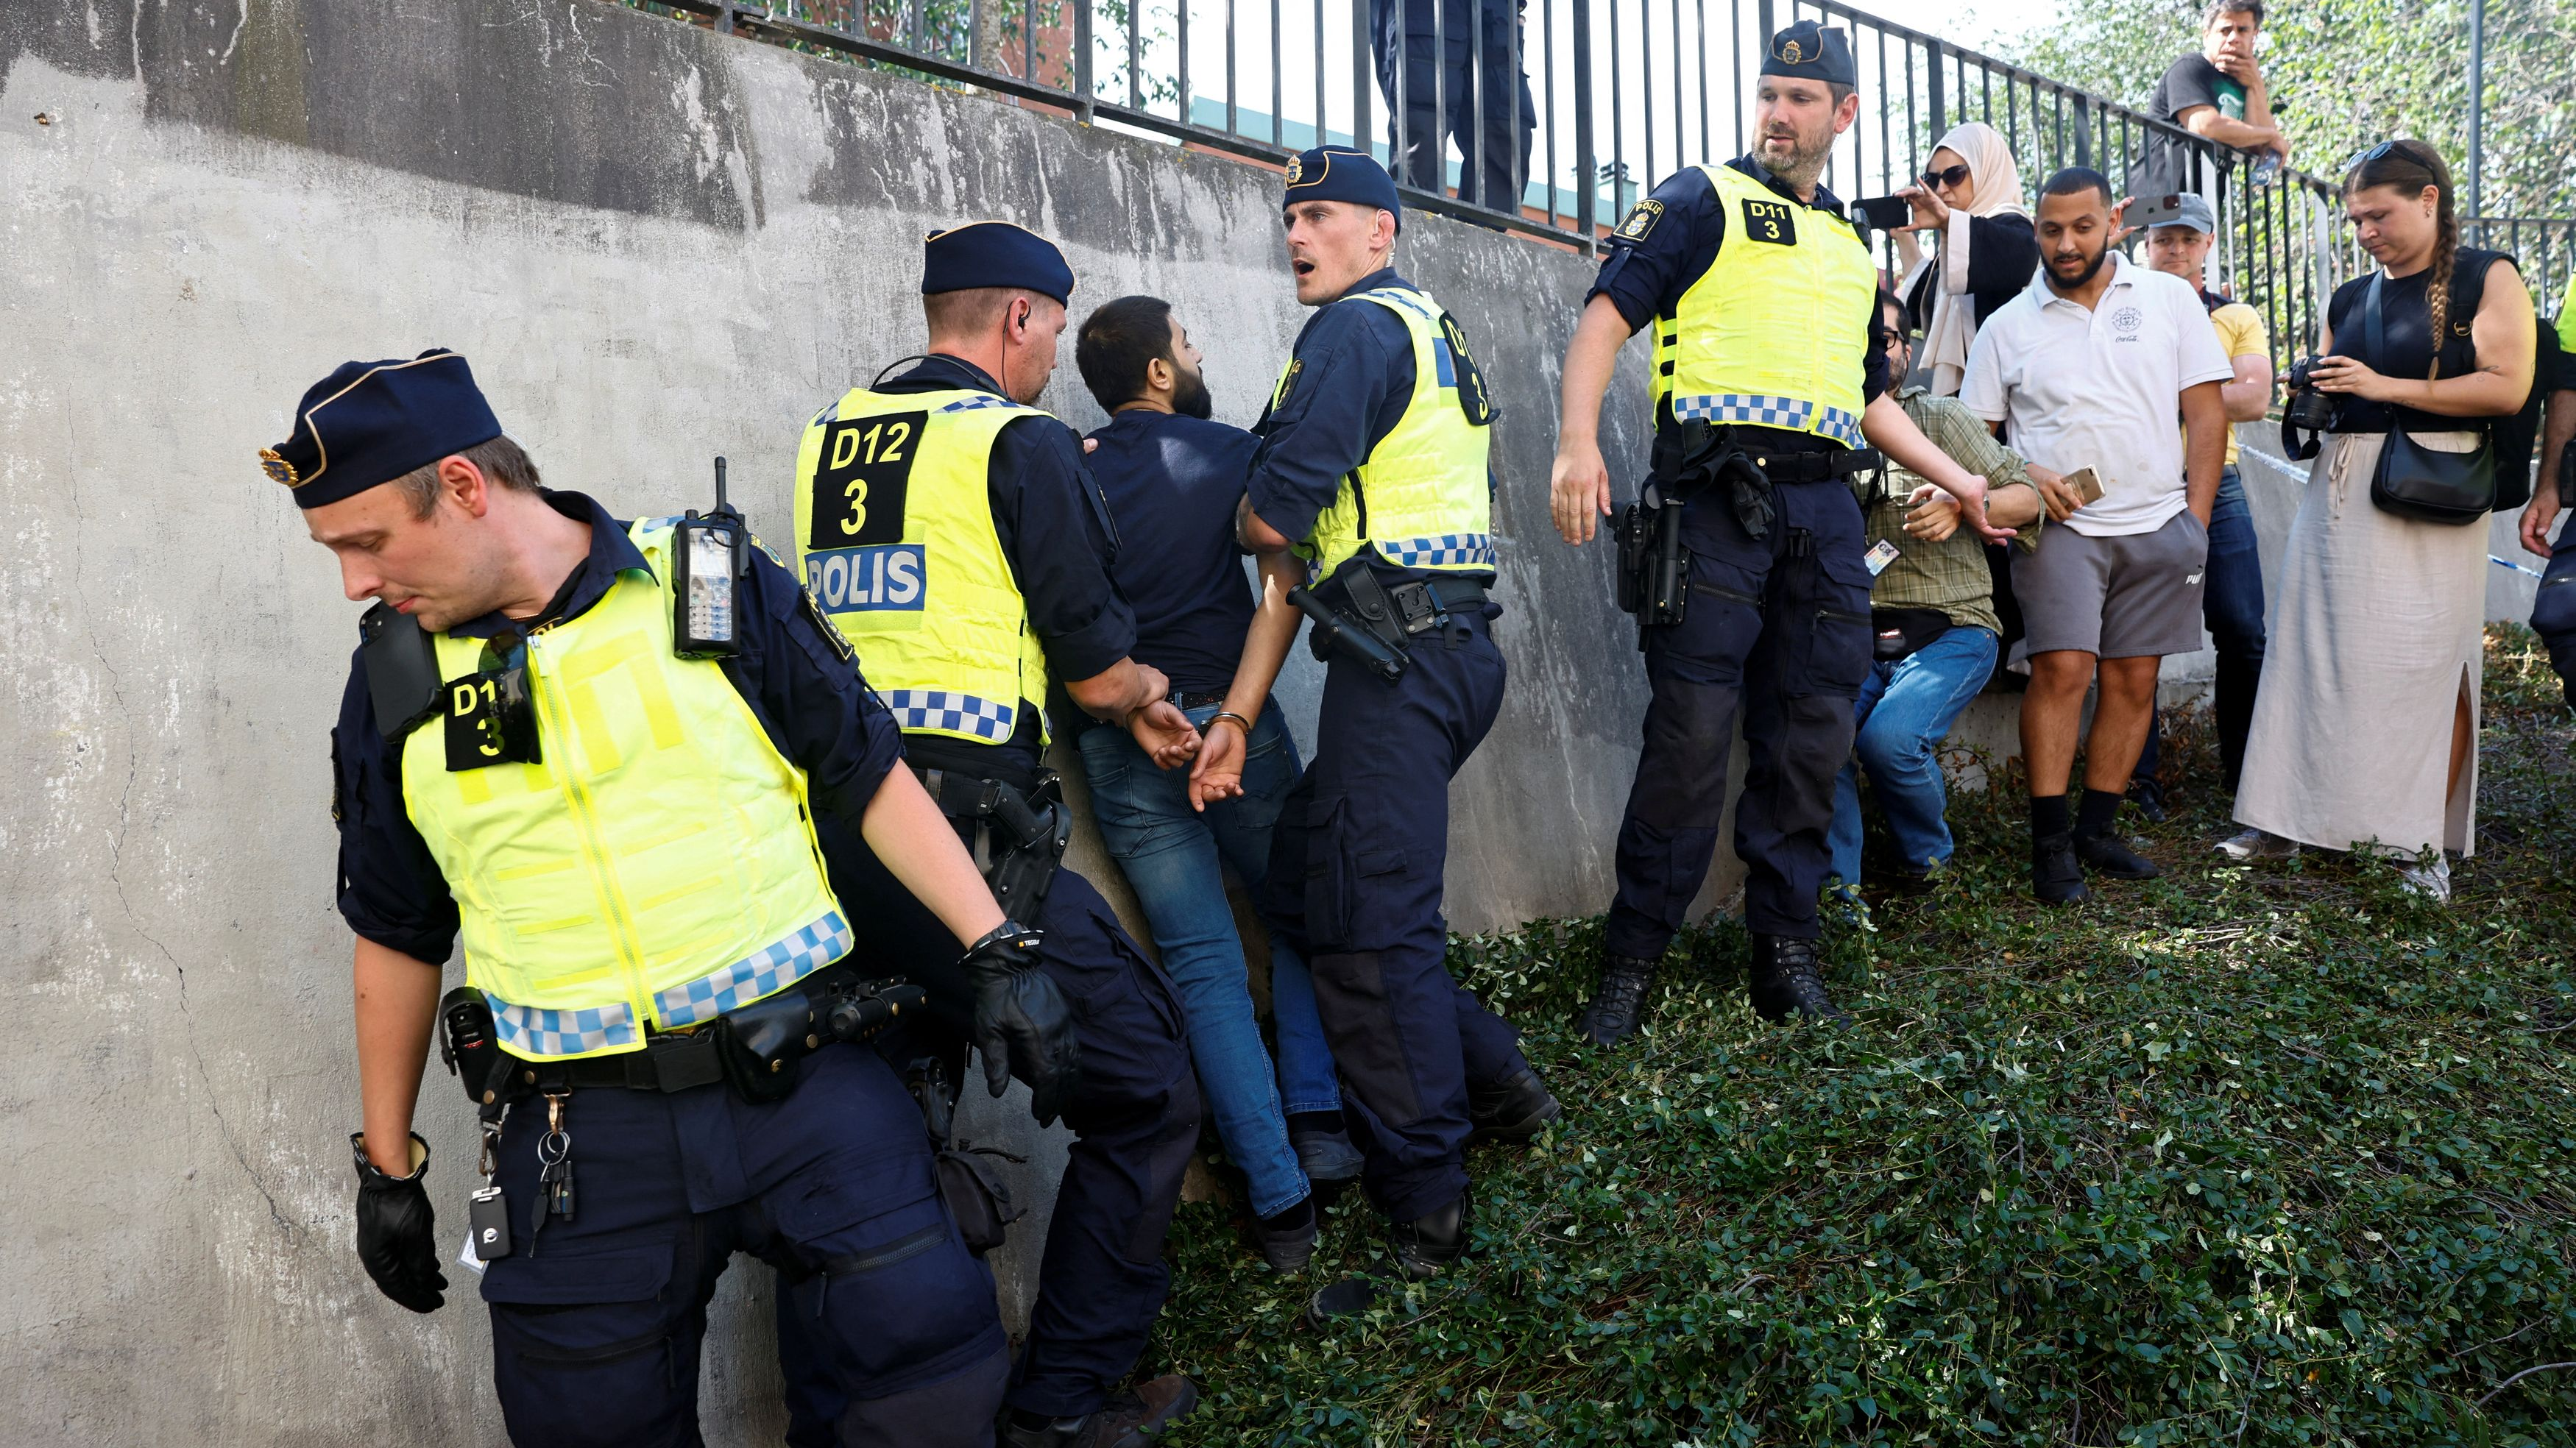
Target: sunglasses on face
x,y
1953,176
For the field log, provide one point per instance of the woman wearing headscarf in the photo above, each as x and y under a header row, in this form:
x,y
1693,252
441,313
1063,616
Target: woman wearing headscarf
x,y
1970,193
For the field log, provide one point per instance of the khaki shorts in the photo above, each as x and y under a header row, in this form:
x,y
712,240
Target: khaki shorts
x,y
2115,598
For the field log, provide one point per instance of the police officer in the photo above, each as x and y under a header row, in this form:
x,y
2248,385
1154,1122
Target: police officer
x,y
1770,390
950,530
1372,466
1450,71
618,831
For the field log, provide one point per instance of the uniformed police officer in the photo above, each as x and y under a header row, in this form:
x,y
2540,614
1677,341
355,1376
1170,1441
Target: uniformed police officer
x,y
1770,389
1372,466
948,526
619,833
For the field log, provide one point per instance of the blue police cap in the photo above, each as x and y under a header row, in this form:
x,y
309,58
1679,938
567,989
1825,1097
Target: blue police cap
x,y
372,422
993,254
1812,51
1338,173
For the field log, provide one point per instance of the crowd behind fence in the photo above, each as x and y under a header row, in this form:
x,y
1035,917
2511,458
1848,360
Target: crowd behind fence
x,y
1618,94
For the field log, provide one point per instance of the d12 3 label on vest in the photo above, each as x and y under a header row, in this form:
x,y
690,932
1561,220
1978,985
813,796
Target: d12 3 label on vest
x,y
1770,221
860,479
491,719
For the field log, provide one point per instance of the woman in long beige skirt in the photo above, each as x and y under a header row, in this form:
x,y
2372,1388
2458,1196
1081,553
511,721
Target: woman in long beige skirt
x,y
2365,727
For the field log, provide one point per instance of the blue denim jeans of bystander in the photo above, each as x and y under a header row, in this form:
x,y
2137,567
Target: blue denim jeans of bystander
x,y
1905,710
1173,858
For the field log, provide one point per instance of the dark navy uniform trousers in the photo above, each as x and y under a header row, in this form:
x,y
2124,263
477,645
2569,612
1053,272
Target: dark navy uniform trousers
x,y
1776,631
597,1318
1354,886
1135,1122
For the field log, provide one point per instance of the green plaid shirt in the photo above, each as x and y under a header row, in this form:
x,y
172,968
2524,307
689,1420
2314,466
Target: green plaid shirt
x,y
1950,575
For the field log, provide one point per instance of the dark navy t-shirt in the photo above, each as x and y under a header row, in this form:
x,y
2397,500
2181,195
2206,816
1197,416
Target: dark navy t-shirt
x,y
1172,483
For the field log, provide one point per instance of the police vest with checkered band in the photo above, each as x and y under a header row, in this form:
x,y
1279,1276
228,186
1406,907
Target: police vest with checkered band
x,y
895,540
655,866
1422,498
1776,332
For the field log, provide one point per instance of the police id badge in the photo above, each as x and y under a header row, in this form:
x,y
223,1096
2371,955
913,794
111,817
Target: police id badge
x,y
1770,221
492,715
855,558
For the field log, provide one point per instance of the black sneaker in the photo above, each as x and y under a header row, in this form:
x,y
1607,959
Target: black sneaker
x,y
1516,1110
2108,854
1130,1420
2148,797
1287,1238
2055,877
1347,1298
1612,1015
1783,981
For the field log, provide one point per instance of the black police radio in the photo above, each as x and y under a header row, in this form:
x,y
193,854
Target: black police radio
x,y
707,557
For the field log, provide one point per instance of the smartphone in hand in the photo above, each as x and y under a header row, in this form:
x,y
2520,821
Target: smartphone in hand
x,y
1883,213
2086,485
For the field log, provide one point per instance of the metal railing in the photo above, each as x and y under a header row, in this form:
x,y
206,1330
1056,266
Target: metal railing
x,y
1604,98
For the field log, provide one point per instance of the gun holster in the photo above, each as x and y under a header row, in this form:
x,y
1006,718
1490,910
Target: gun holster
x,y
970,1176
1024,835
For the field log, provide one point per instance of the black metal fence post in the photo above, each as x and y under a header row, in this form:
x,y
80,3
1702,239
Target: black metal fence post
x,y
1587,176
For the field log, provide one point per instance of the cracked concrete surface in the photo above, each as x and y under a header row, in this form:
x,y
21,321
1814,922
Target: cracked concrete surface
x,y
656,244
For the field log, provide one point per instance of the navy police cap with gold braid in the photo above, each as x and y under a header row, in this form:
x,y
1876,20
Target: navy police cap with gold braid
x,y
1809,50
993,254
372,422
1338,173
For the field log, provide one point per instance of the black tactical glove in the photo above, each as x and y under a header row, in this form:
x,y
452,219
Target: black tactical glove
x,y
397,1230
1023,1024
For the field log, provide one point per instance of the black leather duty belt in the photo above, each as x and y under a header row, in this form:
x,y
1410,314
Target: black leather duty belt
x,y
670,1061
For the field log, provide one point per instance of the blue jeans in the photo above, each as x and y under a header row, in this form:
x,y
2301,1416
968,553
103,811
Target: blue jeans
x,y
1173,858
1906,709
2231,603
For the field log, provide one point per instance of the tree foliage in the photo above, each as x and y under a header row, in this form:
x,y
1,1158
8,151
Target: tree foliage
x,y
2346,74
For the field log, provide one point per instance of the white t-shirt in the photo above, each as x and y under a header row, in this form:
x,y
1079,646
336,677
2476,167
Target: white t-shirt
x,y
2100,388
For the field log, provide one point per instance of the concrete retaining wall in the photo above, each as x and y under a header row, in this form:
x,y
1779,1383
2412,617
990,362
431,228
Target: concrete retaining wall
x,y
656,244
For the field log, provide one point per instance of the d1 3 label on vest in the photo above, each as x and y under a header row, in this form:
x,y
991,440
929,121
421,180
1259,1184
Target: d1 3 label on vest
x,y
893,578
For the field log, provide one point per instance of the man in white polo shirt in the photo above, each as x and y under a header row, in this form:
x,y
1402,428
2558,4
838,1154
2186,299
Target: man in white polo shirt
x,y
2087,369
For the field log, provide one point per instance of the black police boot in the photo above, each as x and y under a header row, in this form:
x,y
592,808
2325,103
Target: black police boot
x,y
1130,1420
2147,796
1782,980
1421,1248
1515,1110
1430,1242
1612,1016
2108,854
2055,877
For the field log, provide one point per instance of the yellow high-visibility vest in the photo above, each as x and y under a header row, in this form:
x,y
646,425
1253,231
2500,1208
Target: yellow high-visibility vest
x,y
1422,498
656,867
895,540
1776,332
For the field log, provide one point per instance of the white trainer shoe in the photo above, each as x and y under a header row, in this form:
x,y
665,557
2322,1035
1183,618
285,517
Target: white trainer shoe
x,y
2258,845
2432,881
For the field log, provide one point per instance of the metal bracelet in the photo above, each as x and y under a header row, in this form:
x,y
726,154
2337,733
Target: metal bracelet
x,y
1222,714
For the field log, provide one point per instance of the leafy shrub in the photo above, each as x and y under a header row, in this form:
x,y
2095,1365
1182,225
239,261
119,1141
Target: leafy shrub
x,y
2244,1155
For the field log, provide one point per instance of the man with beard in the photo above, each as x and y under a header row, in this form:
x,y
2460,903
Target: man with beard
x,y
2088,368
1173,479
1771,392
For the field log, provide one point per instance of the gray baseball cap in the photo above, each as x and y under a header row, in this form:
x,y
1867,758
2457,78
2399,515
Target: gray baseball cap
x,y
2194,214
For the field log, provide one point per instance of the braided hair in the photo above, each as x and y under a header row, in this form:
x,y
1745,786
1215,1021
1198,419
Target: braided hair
x,y
2410,166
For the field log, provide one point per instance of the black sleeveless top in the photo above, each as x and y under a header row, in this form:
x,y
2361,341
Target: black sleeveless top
x,y
2407,349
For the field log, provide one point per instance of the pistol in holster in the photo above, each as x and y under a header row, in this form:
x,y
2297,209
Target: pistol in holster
x,y
1022,836
1373,623
1654,566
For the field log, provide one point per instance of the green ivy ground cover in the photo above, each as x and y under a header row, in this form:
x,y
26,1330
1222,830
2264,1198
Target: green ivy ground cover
x,y
2246,1155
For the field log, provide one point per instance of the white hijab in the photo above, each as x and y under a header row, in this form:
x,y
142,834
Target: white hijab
x,y
1996,191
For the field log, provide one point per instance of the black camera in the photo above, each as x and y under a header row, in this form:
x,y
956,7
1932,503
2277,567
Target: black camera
x,y
2308,412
